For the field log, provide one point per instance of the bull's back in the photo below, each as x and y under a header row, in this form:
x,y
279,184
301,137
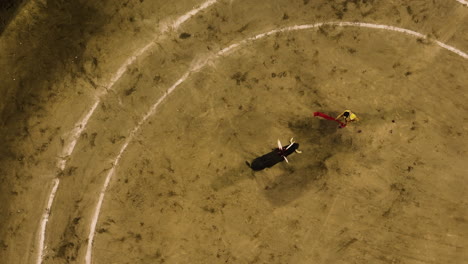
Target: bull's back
x,y
266,161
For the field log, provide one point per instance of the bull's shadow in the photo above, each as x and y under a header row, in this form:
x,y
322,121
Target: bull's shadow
x,y
231,177
320,140
291,183
285,182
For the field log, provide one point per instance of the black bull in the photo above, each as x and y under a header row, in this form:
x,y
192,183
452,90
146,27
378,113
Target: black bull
x,y
270,159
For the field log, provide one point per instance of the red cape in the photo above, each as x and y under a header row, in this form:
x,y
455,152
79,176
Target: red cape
x,y
329,118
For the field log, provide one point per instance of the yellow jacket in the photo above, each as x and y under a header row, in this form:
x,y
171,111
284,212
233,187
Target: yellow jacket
x,y
351,117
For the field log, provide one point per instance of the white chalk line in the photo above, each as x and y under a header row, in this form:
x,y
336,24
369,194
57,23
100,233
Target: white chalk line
x,y
463,2
45,216
190,14
81,125
197,67
116,162
343,24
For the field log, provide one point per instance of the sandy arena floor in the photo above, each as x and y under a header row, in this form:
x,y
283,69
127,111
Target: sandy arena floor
x,y
126,125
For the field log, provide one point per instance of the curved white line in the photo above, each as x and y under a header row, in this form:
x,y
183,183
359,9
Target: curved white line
x,y
82,123
463,2
197,67
345,24
190,14
109,175
45,218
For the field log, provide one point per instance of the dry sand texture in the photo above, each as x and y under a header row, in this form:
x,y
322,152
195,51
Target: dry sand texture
x,y
126,125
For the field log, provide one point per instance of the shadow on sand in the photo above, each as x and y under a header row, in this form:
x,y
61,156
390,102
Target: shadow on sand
x,y
319,140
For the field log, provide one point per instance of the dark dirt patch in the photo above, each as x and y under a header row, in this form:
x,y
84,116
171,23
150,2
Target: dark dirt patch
x,y
8,10
239,77
185,35
51,46
59,42
70,245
